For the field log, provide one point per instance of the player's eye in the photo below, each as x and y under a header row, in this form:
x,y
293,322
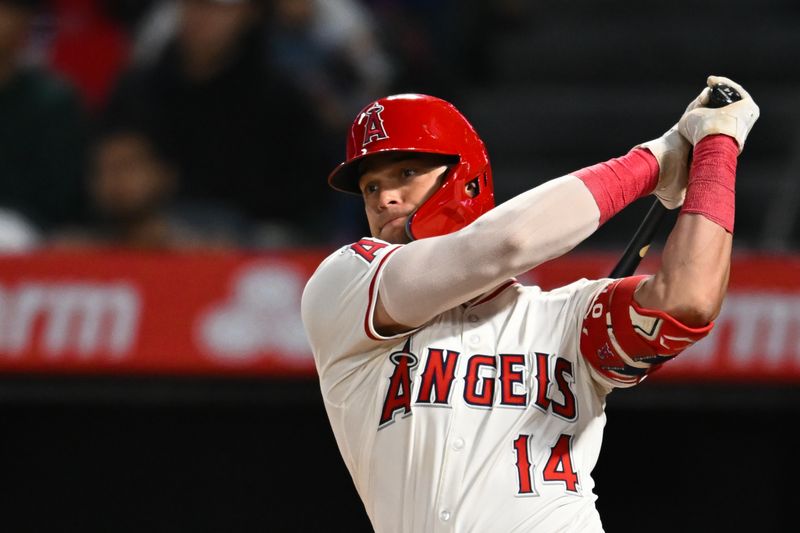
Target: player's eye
x,y
370,188
409,172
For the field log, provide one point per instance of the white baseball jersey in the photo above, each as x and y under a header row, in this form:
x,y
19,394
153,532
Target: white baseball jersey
x,y
486,419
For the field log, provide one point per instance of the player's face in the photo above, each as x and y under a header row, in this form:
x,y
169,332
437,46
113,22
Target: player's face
x,y
393,186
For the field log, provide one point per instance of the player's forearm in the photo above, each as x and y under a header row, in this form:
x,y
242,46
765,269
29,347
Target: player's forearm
x,y
429,276
691,281
693,276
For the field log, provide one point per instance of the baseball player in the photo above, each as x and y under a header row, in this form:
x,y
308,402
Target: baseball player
x,y
461,400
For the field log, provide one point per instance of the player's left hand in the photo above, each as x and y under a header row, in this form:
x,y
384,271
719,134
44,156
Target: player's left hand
x,y
672,152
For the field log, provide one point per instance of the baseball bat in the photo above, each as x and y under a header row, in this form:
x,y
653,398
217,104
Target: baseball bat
x,y
721,95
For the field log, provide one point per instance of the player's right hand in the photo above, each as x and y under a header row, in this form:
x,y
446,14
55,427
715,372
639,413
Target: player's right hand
x,y
735,120
672,152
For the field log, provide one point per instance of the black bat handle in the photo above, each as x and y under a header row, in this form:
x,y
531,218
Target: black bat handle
x,y
640,243
721,95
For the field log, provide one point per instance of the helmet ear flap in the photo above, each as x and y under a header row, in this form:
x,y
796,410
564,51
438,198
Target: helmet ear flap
x,y
456,204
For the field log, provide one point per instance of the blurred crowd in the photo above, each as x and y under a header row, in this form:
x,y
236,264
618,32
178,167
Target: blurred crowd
x,y
163,124
185,123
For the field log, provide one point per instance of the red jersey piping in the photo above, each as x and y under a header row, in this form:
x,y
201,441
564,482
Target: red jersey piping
x,y
371,299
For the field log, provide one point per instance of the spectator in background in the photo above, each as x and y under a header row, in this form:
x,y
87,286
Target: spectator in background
x,y
42,131
329,49
132,191
239,136
155,28
88,47
16,233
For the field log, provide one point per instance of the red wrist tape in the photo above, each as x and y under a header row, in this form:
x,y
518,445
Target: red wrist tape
x,y
618,182
712,179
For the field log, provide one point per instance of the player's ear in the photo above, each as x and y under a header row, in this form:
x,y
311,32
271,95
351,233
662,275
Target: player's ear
x,y
472,188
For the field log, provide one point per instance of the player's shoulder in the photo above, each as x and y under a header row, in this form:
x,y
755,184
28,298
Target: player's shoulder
x,y
350,262
338,294
363,253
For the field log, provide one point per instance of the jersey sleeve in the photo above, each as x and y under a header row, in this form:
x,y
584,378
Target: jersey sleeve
x,y
624,342
339,299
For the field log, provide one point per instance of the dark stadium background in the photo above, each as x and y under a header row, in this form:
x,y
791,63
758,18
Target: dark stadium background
x,y
552,86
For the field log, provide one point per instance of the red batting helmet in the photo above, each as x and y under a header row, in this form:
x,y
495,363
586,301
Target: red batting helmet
x,y
424,124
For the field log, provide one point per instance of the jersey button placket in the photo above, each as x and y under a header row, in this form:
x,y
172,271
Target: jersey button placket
x,y
453,456
455,464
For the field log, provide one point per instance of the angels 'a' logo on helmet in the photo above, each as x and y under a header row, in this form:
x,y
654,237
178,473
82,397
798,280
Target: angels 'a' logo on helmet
x,y
374,130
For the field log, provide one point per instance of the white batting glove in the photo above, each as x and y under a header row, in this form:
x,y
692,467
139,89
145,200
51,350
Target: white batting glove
x,y
672,152
735,120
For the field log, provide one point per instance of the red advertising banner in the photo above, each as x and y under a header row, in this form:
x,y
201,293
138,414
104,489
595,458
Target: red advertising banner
x,y
122,312
162,313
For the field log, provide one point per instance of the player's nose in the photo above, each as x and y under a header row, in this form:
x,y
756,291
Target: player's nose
x,y
388,196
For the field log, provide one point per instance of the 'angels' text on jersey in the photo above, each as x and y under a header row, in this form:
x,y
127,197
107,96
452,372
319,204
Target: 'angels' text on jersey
x,y
490,380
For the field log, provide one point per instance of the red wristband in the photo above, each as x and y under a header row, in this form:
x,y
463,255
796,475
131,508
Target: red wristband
x,y
618,182
712,179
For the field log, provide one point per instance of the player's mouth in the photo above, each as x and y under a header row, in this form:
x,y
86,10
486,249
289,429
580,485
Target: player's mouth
x,y
396,220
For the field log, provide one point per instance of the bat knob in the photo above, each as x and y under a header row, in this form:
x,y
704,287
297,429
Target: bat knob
x,y
722,95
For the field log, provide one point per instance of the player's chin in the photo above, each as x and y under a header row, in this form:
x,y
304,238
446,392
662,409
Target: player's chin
x,y
394,233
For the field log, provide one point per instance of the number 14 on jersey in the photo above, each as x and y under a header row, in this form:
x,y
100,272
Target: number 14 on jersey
x,y
557,469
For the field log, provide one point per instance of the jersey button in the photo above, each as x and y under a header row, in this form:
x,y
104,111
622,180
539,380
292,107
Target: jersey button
x,y
474,339
458,443
444,516
473,318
